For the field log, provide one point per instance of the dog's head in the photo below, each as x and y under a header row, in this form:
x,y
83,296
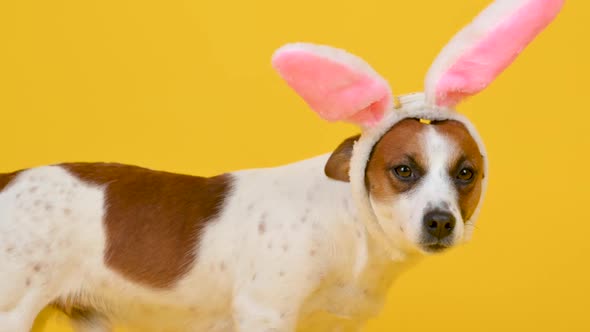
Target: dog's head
x,y
416,184
424,181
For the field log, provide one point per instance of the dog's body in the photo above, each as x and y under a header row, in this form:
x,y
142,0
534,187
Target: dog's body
x,y
257,250
252,245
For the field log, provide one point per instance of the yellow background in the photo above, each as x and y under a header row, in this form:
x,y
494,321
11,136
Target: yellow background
x,y
186,86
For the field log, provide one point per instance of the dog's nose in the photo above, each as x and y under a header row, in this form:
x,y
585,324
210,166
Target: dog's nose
x,y
439,223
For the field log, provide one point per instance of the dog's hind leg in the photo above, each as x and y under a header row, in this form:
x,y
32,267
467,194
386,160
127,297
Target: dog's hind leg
x,y
26,285
42,244
20,317
26,288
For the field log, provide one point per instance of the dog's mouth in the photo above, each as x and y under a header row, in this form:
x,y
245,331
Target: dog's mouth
x,y
435,248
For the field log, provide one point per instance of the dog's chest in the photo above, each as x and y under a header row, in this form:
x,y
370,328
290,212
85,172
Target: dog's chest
x,y
349,296
339,306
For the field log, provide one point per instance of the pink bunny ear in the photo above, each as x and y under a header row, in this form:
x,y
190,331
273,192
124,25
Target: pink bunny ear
x,y
335,84
483,49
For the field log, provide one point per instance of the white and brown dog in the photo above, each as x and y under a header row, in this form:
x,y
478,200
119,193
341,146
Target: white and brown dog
x,y
311,246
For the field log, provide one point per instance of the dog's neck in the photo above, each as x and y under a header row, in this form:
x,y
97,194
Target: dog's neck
x,y
331,204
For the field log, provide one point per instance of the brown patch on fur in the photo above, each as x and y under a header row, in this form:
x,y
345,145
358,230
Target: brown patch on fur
x,y
338,165
469,194
153,219
401,141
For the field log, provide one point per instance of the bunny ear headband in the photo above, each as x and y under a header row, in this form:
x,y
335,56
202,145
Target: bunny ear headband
x,y
342,87
339,86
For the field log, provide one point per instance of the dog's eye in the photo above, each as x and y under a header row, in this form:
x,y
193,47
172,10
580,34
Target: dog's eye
x,y
403,171
465,175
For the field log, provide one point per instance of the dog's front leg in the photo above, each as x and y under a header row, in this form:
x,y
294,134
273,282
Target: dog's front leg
x,y
269,304
253,314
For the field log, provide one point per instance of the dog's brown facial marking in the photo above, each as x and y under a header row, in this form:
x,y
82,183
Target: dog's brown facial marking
x,y
153,220
400,161
386,175
424,181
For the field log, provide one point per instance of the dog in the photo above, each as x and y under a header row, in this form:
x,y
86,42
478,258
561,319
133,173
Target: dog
x,y
310,246
110,242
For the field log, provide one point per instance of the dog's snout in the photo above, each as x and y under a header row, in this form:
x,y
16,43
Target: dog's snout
x,y
439,223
